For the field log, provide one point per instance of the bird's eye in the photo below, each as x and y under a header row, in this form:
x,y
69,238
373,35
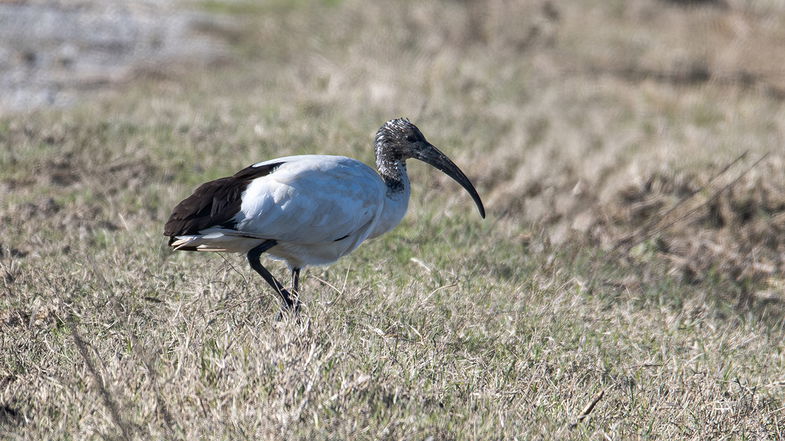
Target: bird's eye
x,y
411,138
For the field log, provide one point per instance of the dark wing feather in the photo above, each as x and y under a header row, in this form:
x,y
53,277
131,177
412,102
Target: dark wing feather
x,y
214,203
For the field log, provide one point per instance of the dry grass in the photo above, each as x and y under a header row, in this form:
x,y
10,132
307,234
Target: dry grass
x,y
579,123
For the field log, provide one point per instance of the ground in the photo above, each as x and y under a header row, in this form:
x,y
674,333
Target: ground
x,y
626,283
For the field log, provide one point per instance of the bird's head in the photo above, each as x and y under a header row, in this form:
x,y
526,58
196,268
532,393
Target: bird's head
x,y
399,140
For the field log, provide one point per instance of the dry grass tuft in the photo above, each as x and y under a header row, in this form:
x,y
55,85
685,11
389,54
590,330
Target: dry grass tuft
x,y
724,227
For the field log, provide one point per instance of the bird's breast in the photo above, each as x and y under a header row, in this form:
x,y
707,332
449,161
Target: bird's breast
x,y
395,206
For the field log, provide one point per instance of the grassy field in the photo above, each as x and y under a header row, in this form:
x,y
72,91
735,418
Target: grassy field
x,y
590,304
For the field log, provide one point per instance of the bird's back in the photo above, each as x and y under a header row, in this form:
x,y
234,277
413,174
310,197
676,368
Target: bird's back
x,y
310,204
311,199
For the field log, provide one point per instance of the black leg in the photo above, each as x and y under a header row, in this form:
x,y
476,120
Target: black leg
x,y
296,282
256,264
296,288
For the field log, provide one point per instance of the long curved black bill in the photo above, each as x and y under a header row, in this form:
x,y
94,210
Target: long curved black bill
x,y
431,155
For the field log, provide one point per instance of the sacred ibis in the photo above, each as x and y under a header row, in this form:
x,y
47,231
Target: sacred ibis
x,y
307,209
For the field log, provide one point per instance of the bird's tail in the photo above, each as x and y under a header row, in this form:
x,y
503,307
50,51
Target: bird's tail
x,y
217,241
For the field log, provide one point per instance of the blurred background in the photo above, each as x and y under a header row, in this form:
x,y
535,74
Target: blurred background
x,y
54,53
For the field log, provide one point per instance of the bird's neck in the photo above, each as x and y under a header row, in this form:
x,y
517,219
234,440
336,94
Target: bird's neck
x,y
392,169
396,200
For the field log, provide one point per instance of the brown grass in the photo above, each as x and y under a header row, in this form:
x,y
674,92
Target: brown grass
x,y
580,123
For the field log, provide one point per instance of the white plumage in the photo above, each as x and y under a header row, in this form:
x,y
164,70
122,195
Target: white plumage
x,y
317,207
307,209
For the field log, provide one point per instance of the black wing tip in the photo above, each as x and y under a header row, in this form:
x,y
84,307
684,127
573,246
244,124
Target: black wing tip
x,y
214,203
177,227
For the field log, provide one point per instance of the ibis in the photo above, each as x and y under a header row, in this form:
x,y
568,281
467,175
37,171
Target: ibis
x,y
307,209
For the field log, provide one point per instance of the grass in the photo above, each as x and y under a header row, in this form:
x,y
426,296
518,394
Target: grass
x,y
449,327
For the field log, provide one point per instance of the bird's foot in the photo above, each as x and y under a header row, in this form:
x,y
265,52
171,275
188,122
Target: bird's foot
x,y
288,312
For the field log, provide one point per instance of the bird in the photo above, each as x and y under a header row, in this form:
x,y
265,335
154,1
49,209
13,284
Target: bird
x,y
307,209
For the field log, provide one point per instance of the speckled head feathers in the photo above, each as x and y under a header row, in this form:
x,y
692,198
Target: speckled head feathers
x,y
398,134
